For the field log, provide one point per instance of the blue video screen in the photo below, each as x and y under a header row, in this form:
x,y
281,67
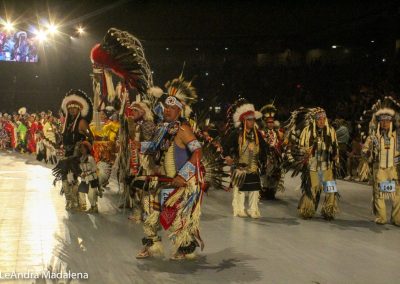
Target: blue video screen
x,y
18,46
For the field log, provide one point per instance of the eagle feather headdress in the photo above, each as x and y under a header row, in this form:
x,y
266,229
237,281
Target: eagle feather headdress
x,y
387,107
178,92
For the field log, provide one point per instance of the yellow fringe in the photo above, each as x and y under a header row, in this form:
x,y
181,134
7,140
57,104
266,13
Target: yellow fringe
x,y
242,141
151,224
186,225
156,249
330,210
306,207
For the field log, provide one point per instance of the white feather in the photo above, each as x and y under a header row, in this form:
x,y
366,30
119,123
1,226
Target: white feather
x,y
240,110
148,115
388,111
80,100
103,172
22,111
155,92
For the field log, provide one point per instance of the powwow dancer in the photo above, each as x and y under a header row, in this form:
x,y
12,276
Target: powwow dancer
x,y
121,54
245,148
315,153
177,206
78,110
382,148
141,128
273,180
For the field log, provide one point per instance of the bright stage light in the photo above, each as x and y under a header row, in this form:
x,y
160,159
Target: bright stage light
x,y
41,35
80,30
52,29
8,26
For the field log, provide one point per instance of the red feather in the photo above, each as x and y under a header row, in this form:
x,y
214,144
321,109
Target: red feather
x,y
100,57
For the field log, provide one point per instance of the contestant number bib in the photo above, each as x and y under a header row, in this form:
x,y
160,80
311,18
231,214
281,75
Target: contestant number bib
x,y
330,186
387,186
165,192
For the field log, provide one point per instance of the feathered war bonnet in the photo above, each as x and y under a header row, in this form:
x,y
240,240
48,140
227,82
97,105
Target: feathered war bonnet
x,y
243,112
318,113
77,99
122,54
268,112
386,109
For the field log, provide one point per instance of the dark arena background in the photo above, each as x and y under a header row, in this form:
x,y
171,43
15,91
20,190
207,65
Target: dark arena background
x,y
284,50
272,157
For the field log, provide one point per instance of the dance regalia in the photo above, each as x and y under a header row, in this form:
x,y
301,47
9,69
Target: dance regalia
x,y
139,131
4,137
273,180
382,149
10,129
50,142
104,141
71,136
120,54
22,135
176,209
316,156
67,169
248,149
33,129
139,164
89,181
123,54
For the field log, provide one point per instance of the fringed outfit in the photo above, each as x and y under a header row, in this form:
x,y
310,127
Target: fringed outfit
x,y
273,180
322,144
385,150
104,144
21,136
176,209
247,148
71,136
50,142
140,165
89,182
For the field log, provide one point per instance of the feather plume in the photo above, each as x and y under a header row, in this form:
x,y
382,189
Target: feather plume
x,y
156,92
123,53
22,111
182,90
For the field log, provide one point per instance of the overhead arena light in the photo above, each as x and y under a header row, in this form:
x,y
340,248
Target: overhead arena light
x,y
41,35
80,30
52,29
8,26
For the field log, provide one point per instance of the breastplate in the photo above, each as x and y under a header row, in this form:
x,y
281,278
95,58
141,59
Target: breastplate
x,y
249,155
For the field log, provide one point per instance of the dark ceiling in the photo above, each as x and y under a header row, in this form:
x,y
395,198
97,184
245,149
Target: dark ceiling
x,y
295,23
246,27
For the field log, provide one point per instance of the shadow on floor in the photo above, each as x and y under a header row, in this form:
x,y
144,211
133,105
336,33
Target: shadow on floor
x,y
281,221
356,224
230,266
